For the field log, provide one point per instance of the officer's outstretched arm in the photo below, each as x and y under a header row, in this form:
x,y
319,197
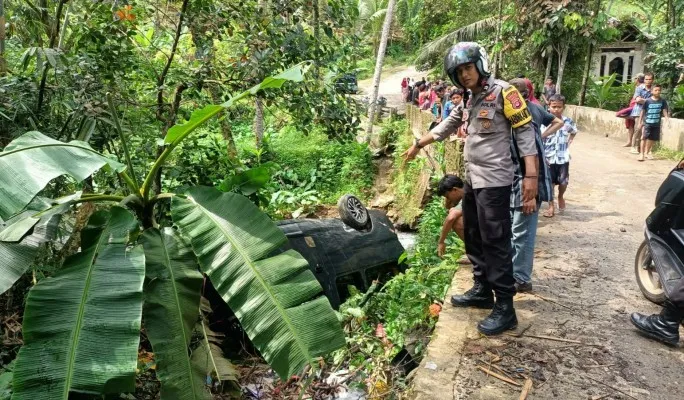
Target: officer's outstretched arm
x,y
449,125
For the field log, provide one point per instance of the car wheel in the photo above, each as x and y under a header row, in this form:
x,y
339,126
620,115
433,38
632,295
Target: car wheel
x,y
353,212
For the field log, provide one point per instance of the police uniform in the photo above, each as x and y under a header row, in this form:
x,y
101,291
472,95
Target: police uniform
x,y
491,114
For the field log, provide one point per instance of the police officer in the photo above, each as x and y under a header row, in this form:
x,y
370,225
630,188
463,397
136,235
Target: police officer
x,y
664,327
494,110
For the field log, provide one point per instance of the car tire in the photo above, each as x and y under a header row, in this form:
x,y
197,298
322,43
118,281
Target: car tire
x,y
353,212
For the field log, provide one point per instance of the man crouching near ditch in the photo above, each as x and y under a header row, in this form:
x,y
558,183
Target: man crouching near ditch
x,y
494,108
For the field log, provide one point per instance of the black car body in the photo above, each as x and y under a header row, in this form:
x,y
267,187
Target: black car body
x,y
347,84
339,255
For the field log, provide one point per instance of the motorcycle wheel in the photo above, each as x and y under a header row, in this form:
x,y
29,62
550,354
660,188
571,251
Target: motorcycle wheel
x,y
647,276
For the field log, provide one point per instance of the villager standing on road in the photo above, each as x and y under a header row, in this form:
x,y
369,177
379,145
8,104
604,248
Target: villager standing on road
x,y
525,225
641,93
626,113
653,110
557,151
548,91
494,108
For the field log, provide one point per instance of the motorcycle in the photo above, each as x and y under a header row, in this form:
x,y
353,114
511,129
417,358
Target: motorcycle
x,y
659,262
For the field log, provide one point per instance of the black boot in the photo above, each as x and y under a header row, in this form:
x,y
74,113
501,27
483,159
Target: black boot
x,y
663,327
480,296
501,319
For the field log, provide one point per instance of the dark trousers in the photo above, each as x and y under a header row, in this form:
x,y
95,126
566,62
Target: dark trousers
x,y
487,220
677,296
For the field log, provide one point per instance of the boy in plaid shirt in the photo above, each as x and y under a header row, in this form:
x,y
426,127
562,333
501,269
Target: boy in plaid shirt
x,y
557,147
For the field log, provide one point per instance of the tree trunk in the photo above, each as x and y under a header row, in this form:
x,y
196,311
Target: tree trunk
x,y
585,76
65,25
549,62
317,37
54,33
3,63
378,67
497,56
259,121
587,65
562,58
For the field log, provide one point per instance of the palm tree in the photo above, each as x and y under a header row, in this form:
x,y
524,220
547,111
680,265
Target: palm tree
x,y
371,16
378,66
469,32
3,65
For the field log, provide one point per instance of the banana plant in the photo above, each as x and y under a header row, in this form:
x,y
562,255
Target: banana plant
x,y
82,325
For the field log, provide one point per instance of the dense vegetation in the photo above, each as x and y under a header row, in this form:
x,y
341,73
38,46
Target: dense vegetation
x,y
122,119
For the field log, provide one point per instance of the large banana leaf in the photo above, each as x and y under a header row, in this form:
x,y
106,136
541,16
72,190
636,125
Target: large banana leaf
x,y
32,160
39,208
16,257
276,298
82,325
172,297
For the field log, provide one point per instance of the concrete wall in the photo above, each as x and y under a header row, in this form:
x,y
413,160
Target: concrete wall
x,y
603,122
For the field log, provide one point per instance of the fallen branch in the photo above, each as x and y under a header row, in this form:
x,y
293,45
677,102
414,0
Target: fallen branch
x,y
598,366
555,339
611,387
526,389
500,377
495,358
497,368
551,301
522,332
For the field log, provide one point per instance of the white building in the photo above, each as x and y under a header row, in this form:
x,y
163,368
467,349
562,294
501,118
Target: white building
x,y
624,57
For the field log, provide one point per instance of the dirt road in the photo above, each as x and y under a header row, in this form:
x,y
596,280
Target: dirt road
x,y
390,83
584,292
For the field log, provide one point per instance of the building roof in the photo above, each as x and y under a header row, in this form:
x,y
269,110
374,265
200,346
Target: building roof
x,y
630,32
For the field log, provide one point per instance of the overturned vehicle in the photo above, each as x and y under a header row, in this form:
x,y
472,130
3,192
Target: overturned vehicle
x,y
356,249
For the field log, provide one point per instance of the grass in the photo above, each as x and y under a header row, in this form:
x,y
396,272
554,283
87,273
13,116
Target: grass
x,y
669,154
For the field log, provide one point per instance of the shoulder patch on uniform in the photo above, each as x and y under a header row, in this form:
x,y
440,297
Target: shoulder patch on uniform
x,y
515,108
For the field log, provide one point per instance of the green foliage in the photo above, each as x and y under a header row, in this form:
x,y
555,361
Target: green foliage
x,y
404,181
277,298
173,286
65,323
677,102
603,93
390,131
333,168
667,55
404,311
97,296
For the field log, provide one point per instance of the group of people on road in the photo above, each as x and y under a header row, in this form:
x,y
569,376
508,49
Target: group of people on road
x,y
643,116
516,152
437,96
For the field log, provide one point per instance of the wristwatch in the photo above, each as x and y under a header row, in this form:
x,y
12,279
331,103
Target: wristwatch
x,y
416,142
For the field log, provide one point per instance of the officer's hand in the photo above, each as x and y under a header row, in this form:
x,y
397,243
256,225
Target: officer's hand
x,y
410,154
681,165
441,250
